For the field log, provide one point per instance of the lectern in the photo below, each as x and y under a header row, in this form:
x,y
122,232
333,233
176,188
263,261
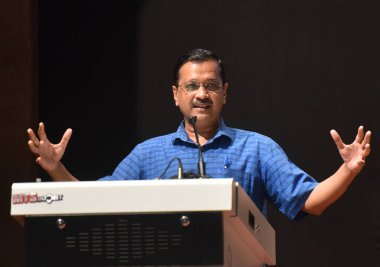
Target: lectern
x,y
185,222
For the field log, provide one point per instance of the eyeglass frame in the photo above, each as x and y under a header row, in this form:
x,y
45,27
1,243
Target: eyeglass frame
x,y
199,84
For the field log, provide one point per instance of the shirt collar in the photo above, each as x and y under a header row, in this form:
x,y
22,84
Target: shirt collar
x,y
181,135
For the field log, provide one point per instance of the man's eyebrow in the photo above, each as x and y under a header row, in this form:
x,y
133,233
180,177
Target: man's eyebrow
x,y
197,81
211,80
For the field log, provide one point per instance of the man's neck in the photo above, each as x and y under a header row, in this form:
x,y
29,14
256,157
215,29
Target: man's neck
x,y
205,133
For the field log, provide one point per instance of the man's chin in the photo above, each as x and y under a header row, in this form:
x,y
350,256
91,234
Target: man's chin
x,y
201,110
205,118
201,116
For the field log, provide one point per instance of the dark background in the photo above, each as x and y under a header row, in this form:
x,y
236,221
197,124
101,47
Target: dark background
x,y
296,69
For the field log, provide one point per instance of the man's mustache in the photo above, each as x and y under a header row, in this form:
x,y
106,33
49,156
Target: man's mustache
x,y
202,102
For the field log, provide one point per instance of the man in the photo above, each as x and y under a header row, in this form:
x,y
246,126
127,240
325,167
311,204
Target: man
x,y
255,161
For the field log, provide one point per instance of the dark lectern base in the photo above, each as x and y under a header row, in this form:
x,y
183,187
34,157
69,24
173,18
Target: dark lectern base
x,y
125,240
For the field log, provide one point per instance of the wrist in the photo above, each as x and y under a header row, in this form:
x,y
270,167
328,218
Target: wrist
x,y
52,167
60,173
350,173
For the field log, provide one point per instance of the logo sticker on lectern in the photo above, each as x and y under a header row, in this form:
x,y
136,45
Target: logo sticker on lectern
x,y
35,198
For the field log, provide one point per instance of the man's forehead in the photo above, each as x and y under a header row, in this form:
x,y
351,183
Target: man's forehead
x,y
207,67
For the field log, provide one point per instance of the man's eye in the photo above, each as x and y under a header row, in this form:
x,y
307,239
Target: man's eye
x,y
192,87
211,86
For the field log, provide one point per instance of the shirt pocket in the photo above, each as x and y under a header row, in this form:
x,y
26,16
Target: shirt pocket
x,y
240,176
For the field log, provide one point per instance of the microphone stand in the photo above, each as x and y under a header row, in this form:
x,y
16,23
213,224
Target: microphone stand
x,y
201,163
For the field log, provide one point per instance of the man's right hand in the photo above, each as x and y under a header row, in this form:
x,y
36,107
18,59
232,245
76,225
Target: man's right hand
x,y
48,155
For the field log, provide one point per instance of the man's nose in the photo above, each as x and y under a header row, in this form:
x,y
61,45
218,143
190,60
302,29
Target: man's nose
x,y
202,92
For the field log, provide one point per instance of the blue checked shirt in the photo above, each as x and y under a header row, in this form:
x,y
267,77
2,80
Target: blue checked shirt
x,y
255,161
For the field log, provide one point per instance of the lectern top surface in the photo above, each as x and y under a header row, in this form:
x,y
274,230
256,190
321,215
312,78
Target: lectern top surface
x,y
113,197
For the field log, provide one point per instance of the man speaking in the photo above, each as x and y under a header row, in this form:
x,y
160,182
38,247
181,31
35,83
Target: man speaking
x,y
260,166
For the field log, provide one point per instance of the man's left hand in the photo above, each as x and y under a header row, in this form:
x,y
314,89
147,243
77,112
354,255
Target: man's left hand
x,y
354,154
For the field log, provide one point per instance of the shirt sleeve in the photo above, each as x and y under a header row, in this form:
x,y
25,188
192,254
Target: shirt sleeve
x,y
128,169
287,186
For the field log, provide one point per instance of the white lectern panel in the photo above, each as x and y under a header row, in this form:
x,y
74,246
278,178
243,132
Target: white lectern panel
x,y
108,197
248,239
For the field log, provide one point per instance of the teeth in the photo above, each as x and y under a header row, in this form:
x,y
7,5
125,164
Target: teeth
x,y
200,106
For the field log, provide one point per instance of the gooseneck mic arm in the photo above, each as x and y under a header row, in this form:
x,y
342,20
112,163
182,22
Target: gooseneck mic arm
x,y
201,163
180,169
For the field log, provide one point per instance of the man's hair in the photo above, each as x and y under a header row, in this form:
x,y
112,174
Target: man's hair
x,y
197,56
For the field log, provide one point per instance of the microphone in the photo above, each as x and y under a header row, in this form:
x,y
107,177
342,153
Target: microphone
x,y
201,163
180,169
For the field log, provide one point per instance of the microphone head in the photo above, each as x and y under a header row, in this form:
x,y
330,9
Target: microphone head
x,y
193,119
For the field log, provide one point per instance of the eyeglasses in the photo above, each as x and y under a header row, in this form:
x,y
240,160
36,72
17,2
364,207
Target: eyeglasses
x,y
192,87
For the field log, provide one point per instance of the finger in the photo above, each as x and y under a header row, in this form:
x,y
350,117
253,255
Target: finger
x,y
338,141
367,150
41,131
66,137
33,137
32,147
361,163
367,138
360,135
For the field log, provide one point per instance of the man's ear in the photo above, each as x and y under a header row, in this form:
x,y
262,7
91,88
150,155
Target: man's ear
x,y
225,87
175,92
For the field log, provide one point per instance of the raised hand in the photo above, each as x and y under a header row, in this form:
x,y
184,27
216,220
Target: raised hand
x,y
48,154
354,154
